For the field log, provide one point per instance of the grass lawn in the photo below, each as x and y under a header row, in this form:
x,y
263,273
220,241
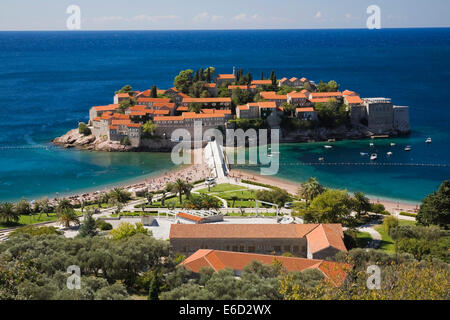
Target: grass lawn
x,y
247,214
387,244
25,220
363,239
221,188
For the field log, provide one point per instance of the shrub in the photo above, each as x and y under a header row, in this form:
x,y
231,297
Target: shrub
x,y
408,214
103,225
377,208
389,223
84,129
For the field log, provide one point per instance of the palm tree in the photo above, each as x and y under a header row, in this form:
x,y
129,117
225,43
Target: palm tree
x,y
66,216
149,197
8,213
310,189
187,189
63,205
42,206
178,187
119,195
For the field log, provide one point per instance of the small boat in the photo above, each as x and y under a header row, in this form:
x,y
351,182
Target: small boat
x,y
392,144
389,153
269,155
428,140
321,159
373,156
408,148
371,144
363,153
327,147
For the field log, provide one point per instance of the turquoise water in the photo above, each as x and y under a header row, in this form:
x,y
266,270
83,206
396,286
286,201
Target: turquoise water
x,y
49,80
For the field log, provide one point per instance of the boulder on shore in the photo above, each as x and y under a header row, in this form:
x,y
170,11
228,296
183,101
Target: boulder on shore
x,y
74,139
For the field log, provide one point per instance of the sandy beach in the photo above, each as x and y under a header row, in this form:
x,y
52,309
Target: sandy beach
x,y
292,187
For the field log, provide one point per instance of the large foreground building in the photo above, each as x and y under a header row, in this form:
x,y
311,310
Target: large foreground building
x,y
312,241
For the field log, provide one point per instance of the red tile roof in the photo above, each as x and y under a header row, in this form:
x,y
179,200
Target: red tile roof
x,y
349,93
218,260
134,125
267,104
120,122
237,87
262,82
325,94
154,100
226,76
206,100
170,118
310,109
271,95
109,107
181,108
243,107
241,230
210,85
353,100
164,104
189,217
325,236
300,94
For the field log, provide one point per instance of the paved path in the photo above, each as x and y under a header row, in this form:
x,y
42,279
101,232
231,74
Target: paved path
x,y
376,236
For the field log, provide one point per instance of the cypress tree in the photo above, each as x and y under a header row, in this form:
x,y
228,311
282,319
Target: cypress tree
x,y
88,228
249,78
196,77
202,74
262,75
208,75
154,92
153,292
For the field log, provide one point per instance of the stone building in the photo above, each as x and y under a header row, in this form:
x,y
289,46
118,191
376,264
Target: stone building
x,y
401,119
302,240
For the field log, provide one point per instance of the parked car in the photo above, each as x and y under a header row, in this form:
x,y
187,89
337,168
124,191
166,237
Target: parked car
x,y
288,205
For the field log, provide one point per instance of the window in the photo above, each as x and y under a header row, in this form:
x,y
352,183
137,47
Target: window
x,y
234,248
242,248
287,248
295,249
277,248
251,249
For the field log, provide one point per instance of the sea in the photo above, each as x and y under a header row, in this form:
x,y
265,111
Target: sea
x,y
49,80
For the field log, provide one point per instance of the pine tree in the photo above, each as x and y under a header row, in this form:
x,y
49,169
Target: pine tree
x,y
249,78
202,74
154,92
196,76
88,228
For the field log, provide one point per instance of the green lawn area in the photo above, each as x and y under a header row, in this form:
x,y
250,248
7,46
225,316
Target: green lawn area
x,y
25,220
387,244
238,214
221,188
245,197
363,239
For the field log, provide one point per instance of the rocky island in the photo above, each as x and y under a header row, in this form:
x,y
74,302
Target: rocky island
x,y
303,111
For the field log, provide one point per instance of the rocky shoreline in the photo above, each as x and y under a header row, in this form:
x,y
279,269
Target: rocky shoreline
x,y
74,139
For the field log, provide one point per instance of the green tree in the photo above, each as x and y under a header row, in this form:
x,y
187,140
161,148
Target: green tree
x,y
42,206
310,189
331,206
149,196
332,86
88,227
184,80
287,107
154,92
361,204
67,216
84,129
149,128
178,187
125,89
195,107
154,289
8,213
23,207
119,195
126,230
435,208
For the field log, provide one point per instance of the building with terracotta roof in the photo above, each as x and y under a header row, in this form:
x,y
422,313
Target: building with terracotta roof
x,y
302,240
327,95
149,102
255,110
223,79
97,111
279,99
299,99
261,83
218,260
292,82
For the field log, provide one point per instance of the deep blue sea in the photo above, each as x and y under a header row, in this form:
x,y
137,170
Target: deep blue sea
x,y
49,80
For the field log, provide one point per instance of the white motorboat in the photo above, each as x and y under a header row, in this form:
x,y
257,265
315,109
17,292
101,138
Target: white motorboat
x,y
373,156
371,144
269,155
392,144
363,153
389,153
428,140
321,159
408,148
328,147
